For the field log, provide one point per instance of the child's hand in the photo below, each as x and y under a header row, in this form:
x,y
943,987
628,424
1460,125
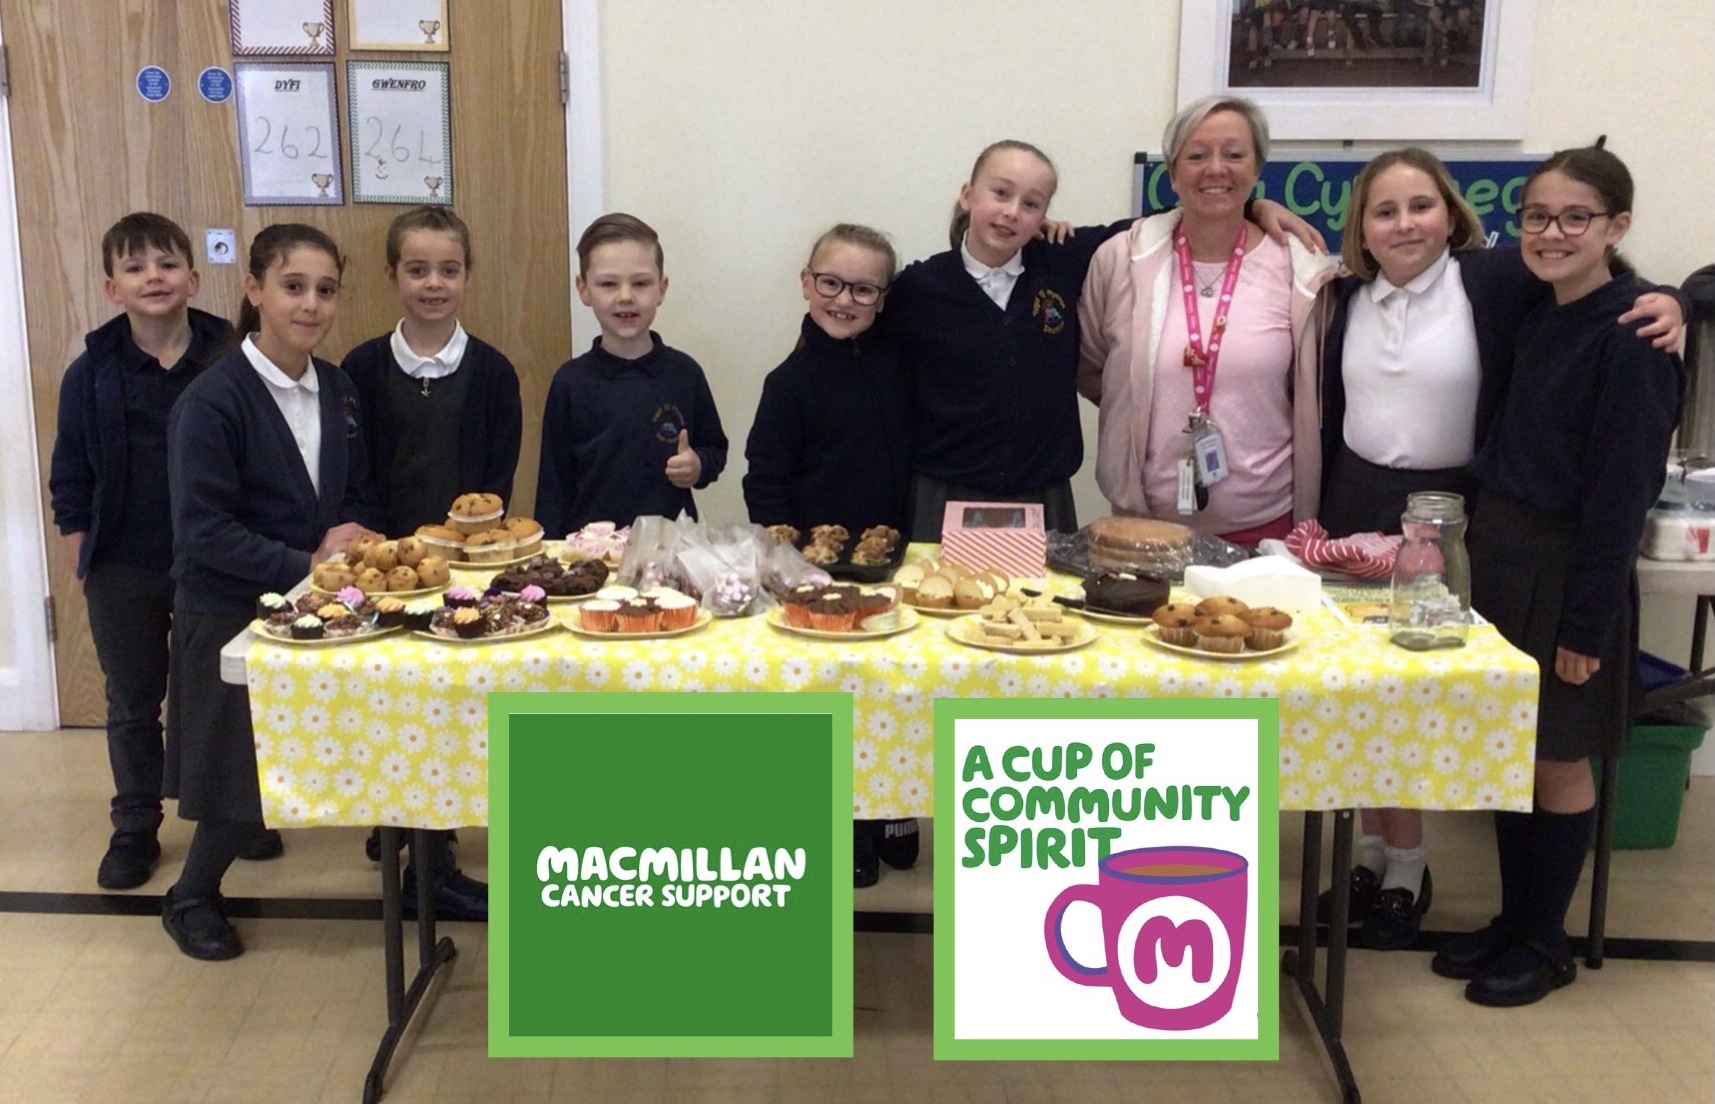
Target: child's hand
x,y
684,467
1055,231
1278,222
1666,325
336,541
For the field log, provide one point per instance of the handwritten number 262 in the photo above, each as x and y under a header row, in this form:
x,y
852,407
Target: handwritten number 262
x,y
287,147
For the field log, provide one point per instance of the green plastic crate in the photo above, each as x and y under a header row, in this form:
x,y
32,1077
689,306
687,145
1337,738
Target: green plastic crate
x,y
1651,785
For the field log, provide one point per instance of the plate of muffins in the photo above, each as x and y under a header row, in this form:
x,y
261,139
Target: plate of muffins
x,y
1221,627
315,620
626,613
842,611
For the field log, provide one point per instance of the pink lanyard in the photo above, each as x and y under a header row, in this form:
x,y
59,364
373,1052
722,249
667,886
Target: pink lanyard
x,y
1199,358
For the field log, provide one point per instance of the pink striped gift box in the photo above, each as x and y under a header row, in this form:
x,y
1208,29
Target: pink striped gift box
x,y
1003,536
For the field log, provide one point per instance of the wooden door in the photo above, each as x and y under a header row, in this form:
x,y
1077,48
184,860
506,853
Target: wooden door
x,y
89,149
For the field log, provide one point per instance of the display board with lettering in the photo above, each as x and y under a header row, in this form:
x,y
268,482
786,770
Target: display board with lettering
x,y
400,131
288,133
1319,190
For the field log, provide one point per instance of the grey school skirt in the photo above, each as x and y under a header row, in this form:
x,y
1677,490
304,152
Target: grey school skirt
x,y
211,748
1519,560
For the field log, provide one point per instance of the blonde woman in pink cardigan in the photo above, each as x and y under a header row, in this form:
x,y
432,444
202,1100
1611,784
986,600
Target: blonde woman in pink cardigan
x,y
1199,333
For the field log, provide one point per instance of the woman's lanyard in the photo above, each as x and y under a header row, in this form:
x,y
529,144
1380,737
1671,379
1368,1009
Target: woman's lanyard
x,y
1208,463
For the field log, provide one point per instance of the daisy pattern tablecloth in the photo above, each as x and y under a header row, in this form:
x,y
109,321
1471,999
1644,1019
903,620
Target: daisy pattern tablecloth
x,y
395,731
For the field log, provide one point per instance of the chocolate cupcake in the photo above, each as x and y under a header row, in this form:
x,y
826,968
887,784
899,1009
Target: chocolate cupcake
x,y
468,622
270,604
308,627
389,612
420,613
638,615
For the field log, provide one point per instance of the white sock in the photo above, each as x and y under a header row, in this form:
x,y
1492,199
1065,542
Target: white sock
x,y
1405,868
1372,852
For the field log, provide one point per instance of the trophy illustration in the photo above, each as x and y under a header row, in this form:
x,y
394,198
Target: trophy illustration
x,y
322,181
429,27
314,30
434,183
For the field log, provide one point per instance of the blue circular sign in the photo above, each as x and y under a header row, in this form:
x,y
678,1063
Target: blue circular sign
x,y
153,84
215,84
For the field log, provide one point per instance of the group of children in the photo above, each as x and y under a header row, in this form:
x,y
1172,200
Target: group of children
x,y
954,379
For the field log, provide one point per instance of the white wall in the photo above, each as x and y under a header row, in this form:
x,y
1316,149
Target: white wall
x,y
741,130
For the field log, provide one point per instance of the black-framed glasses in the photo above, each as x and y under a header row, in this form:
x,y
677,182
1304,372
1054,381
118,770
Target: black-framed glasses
x,y
864,294
1572,222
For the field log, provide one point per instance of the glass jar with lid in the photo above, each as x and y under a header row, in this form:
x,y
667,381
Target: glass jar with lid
x,y
1430,602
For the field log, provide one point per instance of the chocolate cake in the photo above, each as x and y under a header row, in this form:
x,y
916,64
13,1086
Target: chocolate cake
x,y
1125,592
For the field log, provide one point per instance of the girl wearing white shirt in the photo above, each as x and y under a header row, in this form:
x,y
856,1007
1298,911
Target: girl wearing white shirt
x,y
266,469
1418,352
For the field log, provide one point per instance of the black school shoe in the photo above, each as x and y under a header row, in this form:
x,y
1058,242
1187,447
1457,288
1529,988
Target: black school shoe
x,y
897,842
130,859
199,926
1366,883
1522,975
1392,923
457,897
263,846
1465,956
866,866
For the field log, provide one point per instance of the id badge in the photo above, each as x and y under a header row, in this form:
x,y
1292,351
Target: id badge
x,y
1209,452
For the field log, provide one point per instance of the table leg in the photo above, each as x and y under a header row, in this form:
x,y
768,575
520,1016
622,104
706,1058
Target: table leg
x,y
1604,858
1700,629
402,1003
1327,1010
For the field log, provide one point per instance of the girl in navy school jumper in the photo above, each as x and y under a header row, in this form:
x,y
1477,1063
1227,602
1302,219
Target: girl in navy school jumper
x,y
269,476
831,442
988,332
1573,462
443,412
1427,389
443,418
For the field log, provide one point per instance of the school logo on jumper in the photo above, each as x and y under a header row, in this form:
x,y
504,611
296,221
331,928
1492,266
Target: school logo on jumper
x,y
1111,890
670,875
1051,309
668,422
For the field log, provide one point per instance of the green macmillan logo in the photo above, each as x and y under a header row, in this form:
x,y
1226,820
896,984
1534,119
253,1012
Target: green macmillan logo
x,y
620,878
672,879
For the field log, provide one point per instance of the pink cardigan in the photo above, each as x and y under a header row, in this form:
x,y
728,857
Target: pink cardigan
x,y
1121,335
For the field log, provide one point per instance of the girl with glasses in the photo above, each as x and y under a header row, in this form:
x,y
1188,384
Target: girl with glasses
x,y
1574,461
1418,351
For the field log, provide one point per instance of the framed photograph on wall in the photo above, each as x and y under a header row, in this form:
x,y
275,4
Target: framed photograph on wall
x,y
400,131
288,133
281,27
397,25
1389,70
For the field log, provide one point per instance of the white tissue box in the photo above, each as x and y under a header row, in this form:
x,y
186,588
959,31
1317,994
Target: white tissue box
x,y
1263,581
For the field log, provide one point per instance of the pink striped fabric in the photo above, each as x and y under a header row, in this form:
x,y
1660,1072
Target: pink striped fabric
x,y
1365,555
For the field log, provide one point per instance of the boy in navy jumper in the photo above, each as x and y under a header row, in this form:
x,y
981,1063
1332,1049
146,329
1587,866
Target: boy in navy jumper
x,y
109,488
630,427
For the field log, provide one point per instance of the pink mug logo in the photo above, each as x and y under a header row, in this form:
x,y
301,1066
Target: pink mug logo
x,y
1173,933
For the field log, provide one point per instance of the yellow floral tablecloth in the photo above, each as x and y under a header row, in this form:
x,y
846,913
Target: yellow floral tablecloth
x,y
395,731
